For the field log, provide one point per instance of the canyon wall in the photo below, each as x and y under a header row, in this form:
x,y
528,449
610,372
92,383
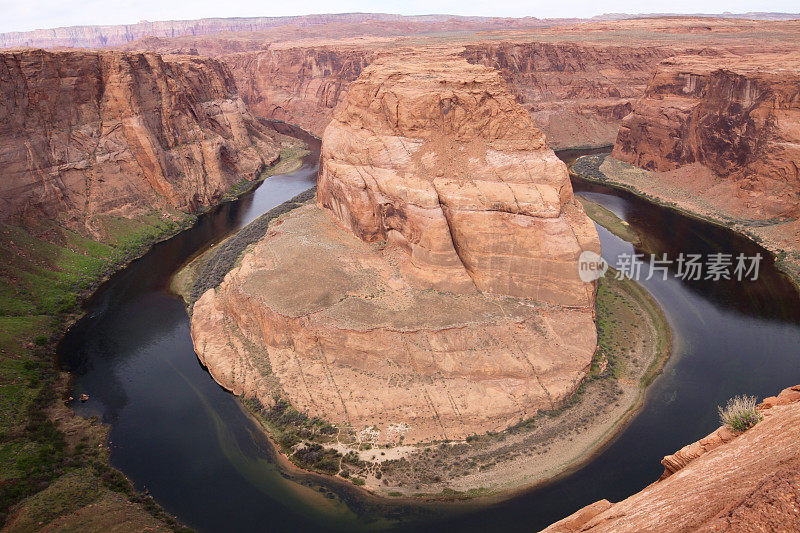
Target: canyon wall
x,y
297,85
724,482
433,291
360,24
576,93
735,117
89,135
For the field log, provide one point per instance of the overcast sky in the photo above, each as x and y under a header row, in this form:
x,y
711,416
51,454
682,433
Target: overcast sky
x,y
21,15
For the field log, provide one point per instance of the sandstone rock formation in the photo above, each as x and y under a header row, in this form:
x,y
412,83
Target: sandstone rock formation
x,y
319,317
434,155
301,85
374,24
576,94
577,80
725,482
89,135
732,118
436,295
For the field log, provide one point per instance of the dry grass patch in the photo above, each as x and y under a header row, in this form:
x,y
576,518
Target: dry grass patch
x,y
740,413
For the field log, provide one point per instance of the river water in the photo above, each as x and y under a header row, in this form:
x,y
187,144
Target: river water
x,y
177,434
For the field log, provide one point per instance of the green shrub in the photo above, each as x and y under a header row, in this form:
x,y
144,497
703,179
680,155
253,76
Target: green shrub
x,y
740,413
353,458
314,457
40,340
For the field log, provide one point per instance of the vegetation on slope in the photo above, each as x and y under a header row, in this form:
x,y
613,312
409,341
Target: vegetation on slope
x,y
740,413
212,267
45,273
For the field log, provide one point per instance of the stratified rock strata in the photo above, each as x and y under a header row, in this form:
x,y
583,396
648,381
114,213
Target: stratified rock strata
x,y
576,93
319,317
90,135
577,80
120,34
296,84
433,155
436,295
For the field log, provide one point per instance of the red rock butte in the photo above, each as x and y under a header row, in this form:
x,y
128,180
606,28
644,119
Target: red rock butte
x,y
436,293
432,154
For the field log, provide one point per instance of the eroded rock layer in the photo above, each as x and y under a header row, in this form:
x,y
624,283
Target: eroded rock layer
x,y
724,482
576,93
88,135
735,117
433,155
433,293
299,85
386,23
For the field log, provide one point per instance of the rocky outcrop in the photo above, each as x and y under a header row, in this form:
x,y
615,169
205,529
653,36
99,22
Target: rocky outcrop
x,y
433,293
736,117
725,482
722,435
90,135
434,156
316,316
576,93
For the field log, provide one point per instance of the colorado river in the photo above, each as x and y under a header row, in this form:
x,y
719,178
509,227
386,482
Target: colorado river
x,y
177,434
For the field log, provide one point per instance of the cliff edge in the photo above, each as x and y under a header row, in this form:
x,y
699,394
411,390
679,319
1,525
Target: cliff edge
x,y
724,482
728,125
434,156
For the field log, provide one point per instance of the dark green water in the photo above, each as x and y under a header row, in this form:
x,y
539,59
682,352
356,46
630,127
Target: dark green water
x,y
179,435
